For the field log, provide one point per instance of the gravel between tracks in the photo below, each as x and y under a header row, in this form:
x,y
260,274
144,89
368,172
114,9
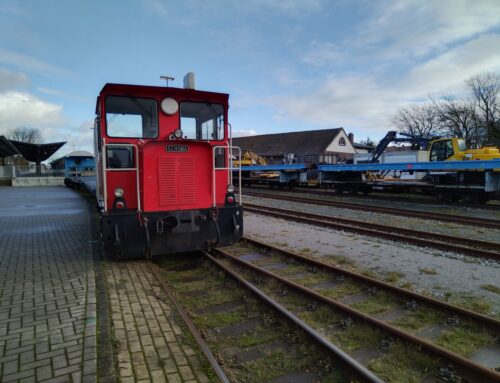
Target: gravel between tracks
x,y
448,228
431,270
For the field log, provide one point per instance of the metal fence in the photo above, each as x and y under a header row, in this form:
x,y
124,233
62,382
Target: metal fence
x,y
31,171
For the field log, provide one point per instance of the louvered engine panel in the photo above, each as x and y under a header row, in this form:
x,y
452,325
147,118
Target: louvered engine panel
x,y
176,181
167,181
187,181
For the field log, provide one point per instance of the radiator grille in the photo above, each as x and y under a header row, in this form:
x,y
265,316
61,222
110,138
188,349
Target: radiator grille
x,y
166,181
177,181
187,181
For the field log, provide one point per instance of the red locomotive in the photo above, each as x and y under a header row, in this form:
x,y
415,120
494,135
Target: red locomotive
x,y
164,161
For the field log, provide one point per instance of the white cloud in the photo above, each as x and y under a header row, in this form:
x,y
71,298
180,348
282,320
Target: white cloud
x,y
157,7
295,7
10,80
415,27
447,72
340,101
33,65
442,43
24,109
322,53
369,101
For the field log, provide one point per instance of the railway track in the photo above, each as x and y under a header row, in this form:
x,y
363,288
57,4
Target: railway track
x,y
304,290
252,339
466,246
472,221
396,197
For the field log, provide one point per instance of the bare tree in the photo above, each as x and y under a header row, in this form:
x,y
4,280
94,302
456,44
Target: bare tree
x,y
25,134
418,120
458,118
485,88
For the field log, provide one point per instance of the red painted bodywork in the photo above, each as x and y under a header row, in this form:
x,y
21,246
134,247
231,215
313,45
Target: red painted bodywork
x,y
167,180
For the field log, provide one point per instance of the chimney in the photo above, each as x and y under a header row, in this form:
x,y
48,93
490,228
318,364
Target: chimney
x,y
351,137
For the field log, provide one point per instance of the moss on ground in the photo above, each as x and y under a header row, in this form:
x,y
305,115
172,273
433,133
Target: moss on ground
x,y
377,304
419,319
492,288
221,319
403,364
469,302
393,276
341,290
466,339
323,317
272,366
356,336
339,260
261,335
428,270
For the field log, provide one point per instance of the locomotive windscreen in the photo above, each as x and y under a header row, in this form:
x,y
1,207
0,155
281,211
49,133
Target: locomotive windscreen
x,y
202,121
131,117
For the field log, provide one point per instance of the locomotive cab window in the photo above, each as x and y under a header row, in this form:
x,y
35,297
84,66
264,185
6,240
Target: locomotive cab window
x,y
131,117
120,157
202,121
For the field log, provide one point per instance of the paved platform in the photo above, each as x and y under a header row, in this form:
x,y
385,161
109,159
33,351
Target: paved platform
x,y
47,287
48,308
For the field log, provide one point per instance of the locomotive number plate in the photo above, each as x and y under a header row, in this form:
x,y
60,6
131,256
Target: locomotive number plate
x,y
177,148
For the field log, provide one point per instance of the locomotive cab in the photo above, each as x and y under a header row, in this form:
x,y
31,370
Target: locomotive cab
x,y
164,171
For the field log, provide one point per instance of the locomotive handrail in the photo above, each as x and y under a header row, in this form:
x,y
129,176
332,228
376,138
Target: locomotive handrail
x,y
231,168
105,169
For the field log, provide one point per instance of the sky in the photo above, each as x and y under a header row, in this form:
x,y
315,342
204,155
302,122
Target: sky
x,y
288,65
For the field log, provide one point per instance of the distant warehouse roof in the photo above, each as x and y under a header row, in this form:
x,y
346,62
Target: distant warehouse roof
x,y
299,143
79,153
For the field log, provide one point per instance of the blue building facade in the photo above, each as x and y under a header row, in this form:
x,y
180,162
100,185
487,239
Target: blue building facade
x,y
76,164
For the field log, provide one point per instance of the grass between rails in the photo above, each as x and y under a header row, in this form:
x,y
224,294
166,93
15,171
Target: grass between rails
x,y
201,290
492,288
403,364
466,339
377,304
463,340
416,320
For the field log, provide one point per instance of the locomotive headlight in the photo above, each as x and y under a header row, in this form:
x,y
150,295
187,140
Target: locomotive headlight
x,y
230,188
178,133
169,106
118,192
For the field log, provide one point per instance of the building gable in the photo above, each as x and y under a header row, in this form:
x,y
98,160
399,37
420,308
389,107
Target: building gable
x,y
341,144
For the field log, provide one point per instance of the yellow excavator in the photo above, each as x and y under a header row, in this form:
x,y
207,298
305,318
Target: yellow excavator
x,y
455,149
249,158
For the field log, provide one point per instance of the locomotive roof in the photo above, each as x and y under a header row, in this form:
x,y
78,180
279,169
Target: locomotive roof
x,y
182,92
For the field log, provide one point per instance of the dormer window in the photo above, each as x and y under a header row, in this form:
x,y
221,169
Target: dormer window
x,y
342,141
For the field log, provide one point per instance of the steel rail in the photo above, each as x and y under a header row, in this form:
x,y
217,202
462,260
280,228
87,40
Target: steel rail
x,y
484,374
473,221
439,241
192,328
490,322
360,370
397,198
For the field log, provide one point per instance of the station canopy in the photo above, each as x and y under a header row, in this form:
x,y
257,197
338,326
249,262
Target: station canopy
x,y
37,152
7,149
